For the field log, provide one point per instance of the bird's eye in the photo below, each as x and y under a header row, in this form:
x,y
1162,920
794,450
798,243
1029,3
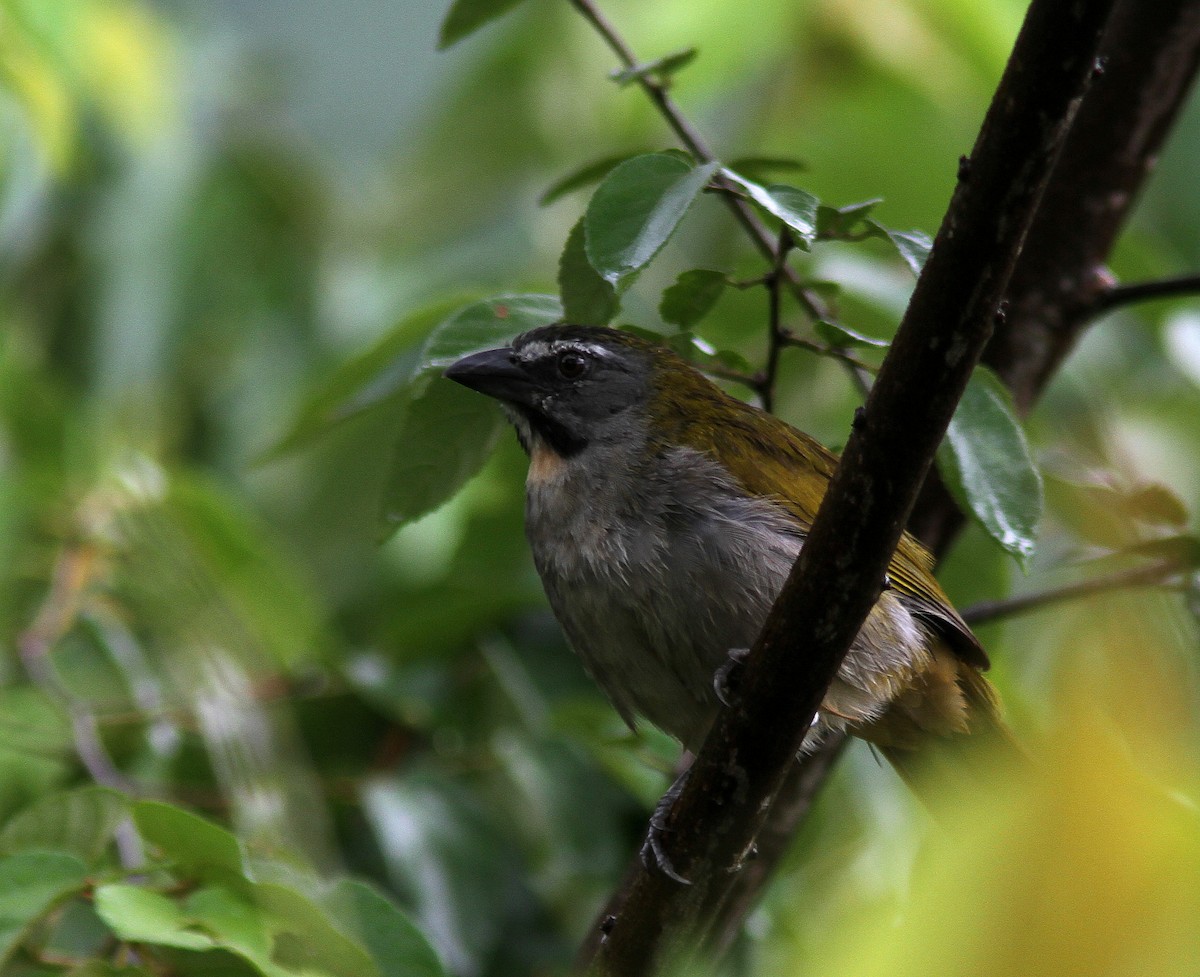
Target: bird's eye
x,y
571,365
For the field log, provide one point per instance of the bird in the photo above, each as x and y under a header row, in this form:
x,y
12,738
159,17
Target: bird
x,y
664,515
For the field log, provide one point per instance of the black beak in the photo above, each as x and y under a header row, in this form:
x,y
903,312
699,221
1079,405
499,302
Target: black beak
x,y
494,372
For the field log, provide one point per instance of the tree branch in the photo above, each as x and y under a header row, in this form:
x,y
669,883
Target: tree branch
x,y
834,353
1161,288
775,333
1154,575
1150,57
73,574
1150,53
753,744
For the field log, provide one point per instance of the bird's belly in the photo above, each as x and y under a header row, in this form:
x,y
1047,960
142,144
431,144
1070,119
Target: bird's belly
x,y
643,664
654,613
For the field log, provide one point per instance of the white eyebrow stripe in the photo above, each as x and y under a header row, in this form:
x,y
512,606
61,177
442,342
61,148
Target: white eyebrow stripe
x,y
540,348
534,351
574,345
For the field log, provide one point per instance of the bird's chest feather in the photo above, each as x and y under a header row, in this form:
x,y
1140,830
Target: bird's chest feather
x,y
655,580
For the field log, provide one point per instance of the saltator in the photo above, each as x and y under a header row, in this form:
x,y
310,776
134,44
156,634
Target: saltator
x,y
664,516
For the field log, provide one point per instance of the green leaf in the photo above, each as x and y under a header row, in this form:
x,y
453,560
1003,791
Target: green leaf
x,y
594,172
635,210
482,325
1105,511
986,463
383,372
836,334
1183,550
199,848
446,432
587,299
444,438
30,722
692,297
80,822
467,16
585,176
72,930
30,883
824,287
838,222
141,915
795,207
400,365
1157,505
250,572
393,940
913,246
26,776
662,68
703,356
280,930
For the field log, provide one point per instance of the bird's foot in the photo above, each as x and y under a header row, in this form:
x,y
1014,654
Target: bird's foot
x,y
653,854
727,678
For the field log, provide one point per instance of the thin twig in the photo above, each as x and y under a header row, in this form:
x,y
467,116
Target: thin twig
x,y
1155,575
832,352
71,577
753,382
745,283
695,144
1159,288
775,333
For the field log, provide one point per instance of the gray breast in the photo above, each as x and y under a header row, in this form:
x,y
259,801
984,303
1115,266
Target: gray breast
x,y
655,586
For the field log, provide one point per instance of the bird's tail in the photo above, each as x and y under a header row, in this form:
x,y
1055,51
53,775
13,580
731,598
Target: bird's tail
x,y
948,737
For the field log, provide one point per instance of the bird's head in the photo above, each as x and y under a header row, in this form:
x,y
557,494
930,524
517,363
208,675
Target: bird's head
x,y
567,387
603,400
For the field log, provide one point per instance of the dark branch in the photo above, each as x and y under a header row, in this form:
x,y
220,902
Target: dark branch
x,y
1150,53
1161,288
752,746
1155,575
1150,59
1150,56
805,778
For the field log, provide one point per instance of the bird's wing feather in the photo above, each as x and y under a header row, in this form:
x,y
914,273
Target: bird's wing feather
x,y
773,460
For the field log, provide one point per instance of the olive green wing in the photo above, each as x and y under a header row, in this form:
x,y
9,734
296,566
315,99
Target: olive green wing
x,y
911,575
773,460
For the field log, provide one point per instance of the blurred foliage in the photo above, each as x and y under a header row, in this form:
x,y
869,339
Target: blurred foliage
x,y
239,734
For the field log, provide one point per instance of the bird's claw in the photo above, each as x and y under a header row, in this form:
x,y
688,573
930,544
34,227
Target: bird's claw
x,y
725,678
653,855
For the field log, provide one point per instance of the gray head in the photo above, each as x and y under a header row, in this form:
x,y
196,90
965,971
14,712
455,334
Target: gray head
x,y
565,386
